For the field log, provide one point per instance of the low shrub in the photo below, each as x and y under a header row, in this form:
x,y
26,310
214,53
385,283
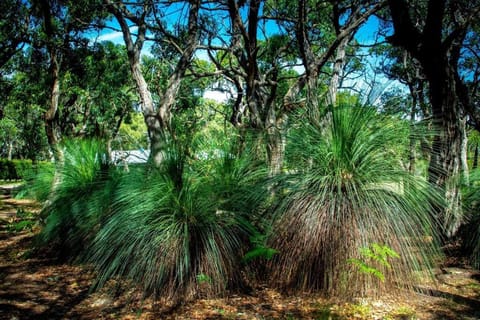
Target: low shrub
x,y
20,169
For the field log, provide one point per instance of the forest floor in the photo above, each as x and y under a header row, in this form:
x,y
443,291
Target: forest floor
x,y
35,287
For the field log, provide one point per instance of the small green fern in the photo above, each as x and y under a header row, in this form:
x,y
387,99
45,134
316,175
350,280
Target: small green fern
x,y
375,254
260,249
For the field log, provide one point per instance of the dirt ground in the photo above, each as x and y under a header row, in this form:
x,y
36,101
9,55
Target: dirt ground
x,y
34,287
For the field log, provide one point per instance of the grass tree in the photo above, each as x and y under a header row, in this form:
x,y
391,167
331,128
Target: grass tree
x,y
470,232
75,207
350,220
178,230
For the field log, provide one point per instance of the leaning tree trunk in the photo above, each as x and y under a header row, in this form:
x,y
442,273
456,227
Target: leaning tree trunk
x,y
155,125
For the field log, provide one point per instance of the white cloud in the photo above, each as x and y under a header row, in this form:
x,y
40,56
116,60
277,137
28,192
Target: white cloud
x,y
115,36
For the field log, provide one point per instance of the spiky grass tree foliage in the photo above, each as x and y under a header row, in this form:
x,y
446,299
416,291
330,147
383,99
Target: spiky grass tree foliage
x,y
79,200
38,183
470,232
350,220
177,231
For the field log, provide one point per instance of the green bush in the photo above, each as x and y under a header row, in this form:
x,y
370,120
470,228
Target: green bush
x,y
19,169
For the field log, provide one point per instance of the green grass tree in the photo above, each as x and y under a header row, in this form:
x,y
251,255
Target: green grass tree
x,y
345,191
179,230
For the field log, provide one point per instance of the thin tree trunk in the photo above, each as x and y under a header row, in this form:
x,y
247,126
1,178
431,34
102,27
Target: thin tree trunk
x,y
51,113
338,65
412,147
157,121
464,154
10,150
475,157
156,124
275,142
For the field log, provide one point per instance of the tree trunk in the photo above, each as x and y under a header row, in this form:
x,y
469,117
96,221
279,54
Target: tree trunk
x,y
337,70
411,149
439,57
275,142
51,113
464,154
475,157
10,150
445,163
156,123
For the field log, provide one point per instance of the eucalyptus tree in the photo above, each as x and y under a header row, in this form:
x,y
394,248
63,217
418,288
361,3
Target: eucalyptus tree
x,y
256,28
148,15
61,27
24,106
468,82
258,64
318,41
8,136
14,34
188,115
433,33
398,65
98,92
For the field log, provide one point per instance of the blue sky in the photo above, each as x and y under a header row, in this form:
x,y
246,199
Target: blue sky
x,y
366,35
